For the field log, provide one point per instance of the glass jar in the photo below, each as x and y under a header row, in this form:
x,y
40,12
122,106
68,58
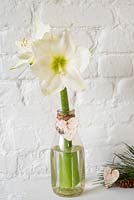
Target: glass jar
x,y
67,161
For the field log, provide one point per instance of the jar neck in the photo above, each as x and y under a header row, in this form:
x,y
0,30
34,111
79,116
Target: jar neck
x,y
65,116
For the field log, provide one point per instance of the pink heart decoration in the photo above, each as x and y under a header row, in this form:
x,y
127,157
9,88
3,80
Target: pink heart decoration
x,y
110,176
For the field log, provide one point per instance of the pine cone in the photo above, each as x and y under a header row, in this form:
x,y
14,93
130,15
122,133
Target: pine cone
x,y
129,183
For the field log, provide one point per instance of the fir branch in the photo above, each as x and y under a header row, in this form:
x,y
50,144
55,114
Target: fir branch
x,y
125,165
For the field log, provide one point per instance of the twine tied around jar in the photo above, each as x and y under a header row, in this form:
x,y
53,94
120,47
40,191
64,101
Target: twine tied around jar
x,y
66,125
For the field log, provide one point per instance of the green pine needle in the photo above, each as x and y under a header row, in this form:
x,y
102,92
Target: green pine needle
x,y
125,165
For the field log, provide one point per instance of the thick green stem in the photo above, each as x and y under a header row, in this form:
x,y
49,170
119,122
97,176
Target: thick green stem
x,y
68,162
65,110
64,101
65,159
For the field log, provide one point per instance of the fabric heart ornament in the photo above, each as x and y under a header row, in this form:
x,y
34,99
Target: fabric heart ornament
x,y
67,128
110,176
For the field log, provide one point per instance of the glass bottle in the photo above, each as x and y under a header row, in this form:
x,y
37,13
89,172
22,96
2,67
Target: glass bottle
x,y
67,162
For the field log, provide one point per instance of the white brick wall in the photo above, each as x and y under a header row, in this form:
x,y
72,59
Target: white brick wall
x,y
115,66
105,109
93,16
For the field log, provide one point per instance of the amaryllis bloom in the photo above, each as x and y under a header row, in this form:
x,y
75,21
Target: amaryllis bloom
x,y
54,59
25,54
58,63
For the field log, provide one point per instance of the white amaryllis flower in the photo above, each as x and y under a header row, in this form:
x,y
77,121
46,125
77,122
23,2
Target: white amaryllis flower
x,y
58,63
25,53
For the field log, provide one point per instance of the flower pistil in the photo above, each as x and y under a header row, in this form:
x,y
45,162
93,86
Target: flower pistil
x,y
58,64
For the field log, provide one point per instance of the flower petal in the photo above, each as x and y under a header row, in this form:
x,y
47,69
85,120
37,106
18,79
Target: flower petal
x,y
81,58
20,64
39,28
25,56
41,68
67,44
41,47
53,85
62,44
73,79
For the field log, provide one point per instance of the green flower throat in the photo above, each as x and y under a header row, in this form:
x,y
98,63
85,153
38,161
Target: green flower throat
x,y
58,64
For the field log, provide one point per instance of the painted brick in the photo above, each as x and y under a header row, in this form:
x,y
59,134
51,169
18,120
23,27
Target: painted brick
x,y
94,136
124,2
8,163
125,89
97,90
115,66
92,16
124,113
121,133
10,10
8,91
116,40
125,13
102,154
94,115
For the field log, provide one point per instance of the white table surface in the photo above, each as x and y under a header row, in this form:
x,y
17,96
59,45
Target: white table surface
x,y
41,190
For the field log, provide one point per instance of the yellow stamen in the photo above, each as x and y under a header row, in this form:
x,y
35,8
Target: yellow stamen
x,y
24,42
58,64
